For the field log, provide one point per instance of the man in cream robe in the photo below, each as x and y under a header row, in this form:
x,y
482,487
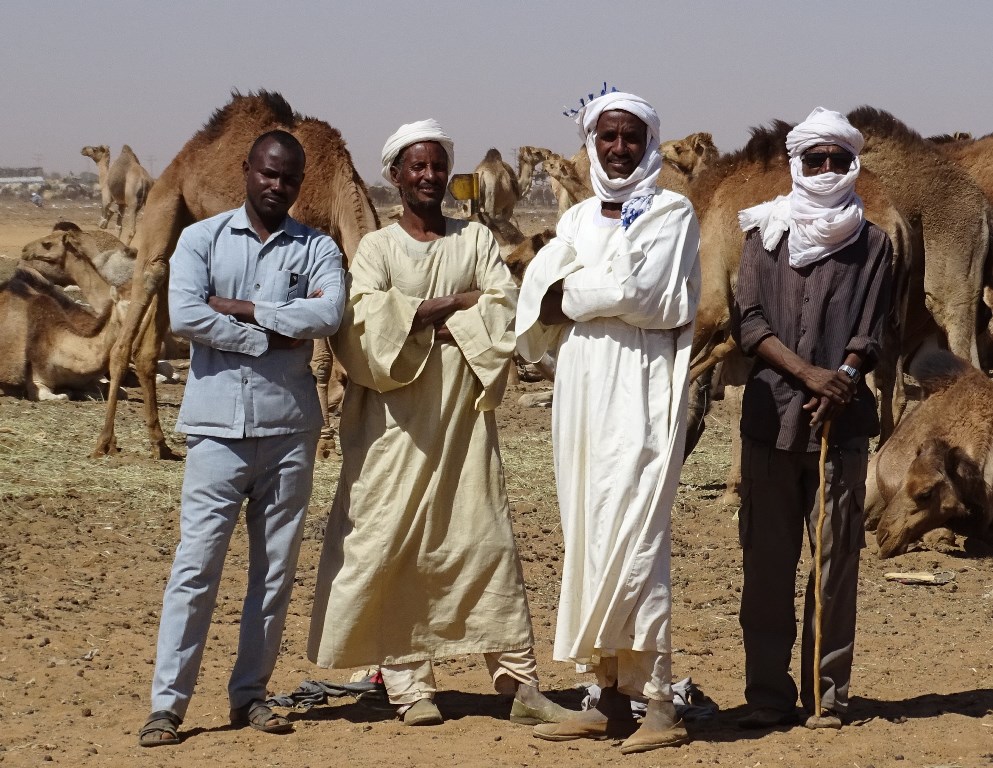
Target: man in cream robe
x,y
419,560
614,297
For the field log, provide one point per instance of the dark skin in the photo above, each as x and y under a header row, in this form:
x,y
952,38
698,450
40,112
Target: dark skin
x,y
273,176
831,390
621,141
421,175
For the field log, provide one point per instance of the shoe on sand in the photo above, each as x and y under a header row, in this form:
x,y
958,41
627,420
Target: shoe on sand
x,y
767,717
423,712
582,728
548,712
645,740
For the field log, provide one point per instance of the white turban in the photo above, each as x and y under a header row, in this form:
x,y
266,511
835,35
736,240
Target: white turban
x,y
414,133
822,213
642,180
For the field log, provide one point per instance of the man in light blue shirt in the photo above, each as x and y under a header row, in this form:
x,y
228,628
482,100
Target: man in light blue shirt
x,y
249,288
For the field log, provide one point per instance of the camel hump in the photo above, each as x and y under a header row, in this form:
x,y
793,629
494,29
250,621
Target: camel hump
x,y
937,371
493,155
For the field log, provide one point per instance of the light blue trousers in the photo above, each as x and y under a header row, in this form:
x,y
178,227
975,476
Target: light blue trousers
x,y
275,474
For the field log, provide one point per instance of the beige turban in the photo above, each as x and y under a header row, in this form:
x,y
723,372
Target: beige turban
x,y
414,133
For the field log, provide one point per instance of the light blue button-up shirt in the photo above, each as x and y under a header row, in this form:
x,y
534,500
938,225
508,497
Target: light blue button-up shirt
x,y
238,386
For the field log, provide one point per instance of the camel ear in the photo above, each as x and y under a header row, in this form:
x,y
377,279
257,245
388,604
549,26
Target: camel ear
x,y
966,475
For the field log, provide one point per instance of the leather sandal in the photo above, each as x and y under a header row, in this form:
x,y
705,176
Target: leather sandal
x,y
161,728
257,714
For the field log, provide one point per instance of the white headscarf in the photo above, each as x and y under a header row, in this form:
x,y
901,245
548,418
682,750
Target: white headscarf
x,y
641,183
414,133
822,213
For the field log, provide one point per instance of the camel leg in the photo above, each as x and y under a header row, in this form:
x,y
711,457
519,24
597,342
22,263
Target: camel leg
x,y
146,364
38,391
321,362
166,220
130,224
732,485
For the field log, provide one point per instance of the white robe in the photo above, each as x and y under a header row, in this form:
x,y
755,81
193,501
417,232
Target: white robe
x,y
618,415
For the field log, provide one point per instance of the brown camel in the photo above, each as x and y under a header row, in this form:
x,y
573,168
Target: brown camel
x,y
125,183
113,261
691,155
499,190
50,342
953,214
204,179
934,473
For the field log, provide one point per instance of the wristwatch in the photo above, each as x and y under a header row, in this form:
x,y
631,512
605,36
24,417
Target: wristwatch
x,y
850,372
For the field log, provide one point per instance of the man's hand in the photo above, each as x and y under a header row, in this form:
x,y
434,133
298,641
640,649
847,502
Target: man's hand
x,y
437,311
236,308
551,306
279,341
833,385
823,409
441,333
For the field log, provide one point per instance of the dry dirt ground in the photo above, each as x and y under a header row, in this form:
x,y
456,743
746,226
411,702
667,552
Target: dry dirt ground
x,y
87,547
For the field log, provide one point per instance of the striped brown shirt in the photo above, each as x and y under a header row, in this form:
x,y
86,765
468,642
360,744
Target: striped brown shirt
x,y
821,312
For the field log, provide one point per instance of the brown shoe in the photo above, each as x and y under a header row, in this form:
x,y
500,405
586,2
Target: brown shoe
x,y
827,720
644,740
423,712
767,717
581,727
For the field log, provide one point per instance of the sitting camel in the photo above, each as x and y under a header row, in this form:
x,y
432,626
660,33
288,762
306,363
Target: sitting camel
x,y
934,473
124,182
50,341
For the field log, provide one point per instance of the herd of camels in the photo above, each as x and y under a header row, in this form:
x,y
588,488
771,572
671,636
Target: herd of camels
x,y
932,196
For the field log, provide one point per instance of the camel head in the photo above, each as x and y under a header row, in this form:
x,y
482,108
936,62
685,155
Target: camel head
x,y
943,487
532,155
691,154
47,255
96,154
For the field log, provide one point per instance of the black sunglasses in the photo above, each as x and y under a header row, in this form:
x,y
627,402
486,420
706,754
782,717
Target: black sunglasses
x,y
840,160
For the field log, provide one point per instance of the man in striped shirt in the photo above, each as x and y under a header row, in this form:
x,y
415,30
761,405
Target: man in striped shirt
x,y
810,307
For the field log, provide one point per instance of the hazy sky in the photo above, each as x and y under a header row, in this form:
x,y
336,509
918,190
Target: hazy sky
x,y
494,74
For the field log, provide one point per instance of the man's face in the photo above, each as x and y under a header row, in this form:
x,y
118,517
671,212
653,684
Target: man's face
x,y
273,175
826,158
422,175
621,141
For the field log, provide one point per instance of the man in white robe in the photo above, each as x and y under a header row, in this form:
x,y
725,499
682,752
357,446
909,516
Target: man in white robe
x,y
419,560
614,295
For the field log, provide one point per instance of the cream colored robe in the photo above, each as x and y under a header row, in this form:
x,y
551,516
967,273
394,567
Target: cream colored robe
x,y
618,415
419,558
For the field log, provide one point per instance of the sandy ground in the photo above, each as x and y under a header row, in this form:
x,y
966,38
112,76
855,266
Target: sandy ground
x,y
87,547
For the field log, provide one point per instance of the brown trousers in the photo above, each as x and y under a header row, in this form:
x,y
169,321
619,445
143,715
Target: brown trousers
x,y
780,497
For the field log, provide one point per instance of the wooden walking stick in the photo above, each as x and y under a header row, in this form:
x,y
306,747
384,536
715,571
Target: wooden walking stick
x,y
817,570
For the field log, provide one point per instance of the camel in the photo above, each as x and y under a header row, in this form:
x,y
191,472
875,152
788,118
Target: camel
x,y
570,178
499,189
204,179
691,155
932,478
975,156
50,341
954,218
124,182
112,259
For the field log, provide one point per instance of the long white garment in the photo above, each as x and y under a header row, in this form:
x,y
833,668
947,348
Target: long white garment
x,y
618,415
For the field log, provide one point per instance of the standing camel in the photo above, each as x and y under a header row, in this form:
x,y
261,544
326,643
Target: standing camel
x,y
204,179
124,182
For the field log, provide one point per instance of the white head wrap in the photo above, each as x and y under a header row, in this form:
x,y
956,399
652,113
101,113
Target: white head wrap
x,y
641,182
414,133
822,213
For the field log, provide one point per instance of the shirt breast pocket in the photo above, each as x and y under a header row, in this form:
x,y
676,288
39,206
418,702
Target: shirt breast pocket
x,y
285,285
